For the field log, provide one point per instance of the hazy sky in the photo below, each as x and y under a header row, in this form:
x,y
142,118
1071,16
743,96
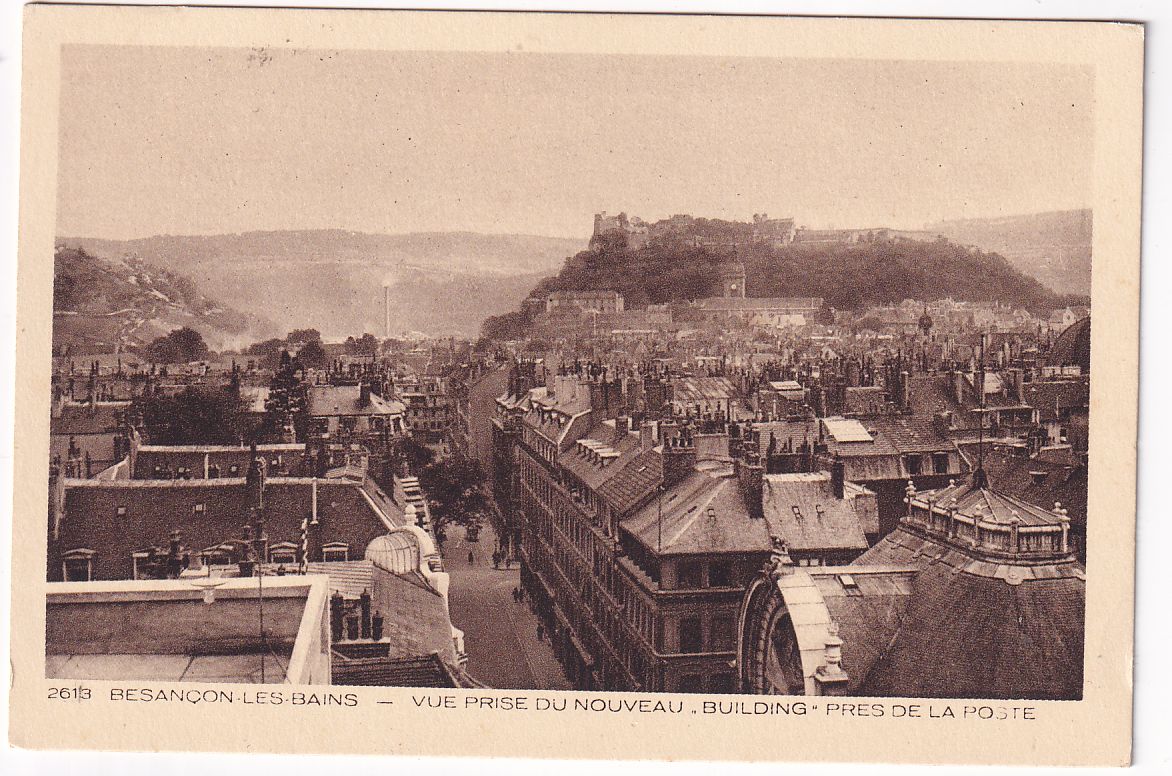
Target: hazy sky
x,y
200,141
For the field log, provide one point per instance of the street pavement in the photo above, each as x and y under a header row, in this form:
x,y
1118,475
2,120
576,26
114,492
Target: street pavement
x,y
500,635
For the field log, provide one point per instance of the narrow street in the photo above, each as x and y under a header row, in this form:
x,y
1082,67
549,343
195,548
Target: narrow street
x,y
500,635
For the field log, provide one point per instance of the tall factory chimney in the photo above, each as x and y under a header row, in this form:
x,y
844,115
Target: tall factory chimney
x,y
386,312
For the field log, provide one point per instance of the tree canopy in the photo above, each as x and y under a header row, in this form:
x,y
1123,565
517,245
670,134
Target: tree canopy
x,y
313,355
268,352
193,417
454,488
181,346
300,336
848,276
509,326
366,345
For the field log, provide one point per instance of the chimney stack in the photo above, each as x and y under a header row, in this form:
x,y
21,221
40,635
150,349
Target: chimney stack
x,y
622,426
337,616
838,478
364,612
751,475
648,434
679,458
387,311
1017,385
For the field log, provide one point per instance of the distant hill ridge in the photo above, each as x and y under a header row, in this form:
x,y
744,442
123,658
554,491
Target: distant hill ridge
x,y
848,275
100,304
456,251
1053,247
331,279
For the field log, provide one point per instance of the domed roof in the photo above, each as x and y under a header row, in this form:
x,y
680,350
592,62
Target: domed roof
x,y
975,595
397,552
1073,346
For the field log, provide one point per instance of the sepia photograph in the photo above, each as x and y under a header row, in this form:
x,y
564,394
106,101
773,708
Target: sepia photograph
x,y
620,377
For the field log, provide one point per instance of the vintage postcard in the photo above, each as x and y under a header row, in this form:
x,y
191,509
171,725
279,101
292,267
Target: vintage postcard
x,y
680,387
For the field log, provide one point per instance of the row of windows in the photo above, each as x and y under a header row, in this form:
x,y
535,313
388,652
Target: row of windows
x,y
416,412
542,446
614,623
214,471
721,635
78,565
612,643
554,510
570,553
199,508
936,463
690,574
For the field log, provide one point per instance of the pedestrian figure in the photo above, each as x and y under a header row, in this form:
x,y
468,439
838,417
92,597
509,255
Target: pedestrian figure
x,y
540,632
516,597
471,558
496,560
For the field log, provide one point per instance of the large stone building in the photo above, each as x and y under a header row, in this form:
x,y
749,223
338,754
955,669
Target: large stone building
x,y
428,407
634,230
754,311
637,538
578,302
977,595
389,620
475,388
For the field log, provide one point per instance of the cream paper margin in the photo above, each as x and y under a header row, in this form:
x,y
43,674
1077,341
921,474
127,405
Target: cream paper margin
x,y
1096,730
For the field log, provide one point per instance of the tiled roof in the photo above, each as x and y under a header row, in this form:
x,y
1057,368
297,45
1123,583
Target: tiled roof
x,y
994,506
1073,345
1040,482
968,628
150,509
429,671
1059,395
349,578
637,480
864,400
868,613
346,400
546,422
965,636
416,617
784,431
704,513
931,394
802,510
879,446
910,433
691,390
598,456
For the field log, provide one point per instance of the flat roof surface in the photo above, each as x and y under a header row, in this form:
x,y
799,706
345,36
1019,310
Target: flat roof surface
x,y
170,668
161,630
